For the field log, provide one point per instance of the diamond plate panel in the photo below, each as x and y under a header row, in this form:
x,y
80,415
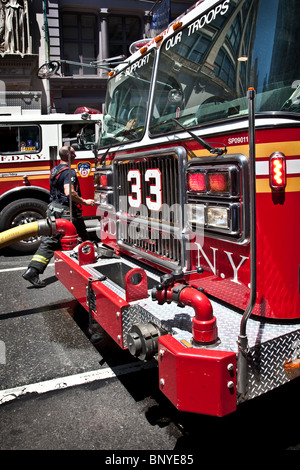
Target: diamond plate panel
x,y
266,364
270,344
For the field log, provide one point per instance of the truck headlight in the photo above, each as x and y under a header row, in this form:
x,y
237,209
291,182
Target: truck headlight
x,y
218,196
217,217
97,197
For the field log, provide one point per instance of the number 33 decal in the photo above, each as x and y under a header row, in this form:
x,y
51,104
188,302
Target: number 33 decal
x,y
154,202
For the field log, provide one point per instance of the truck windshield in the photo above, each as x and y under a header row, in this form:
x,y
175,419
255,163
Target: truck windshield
x,y
126,102
208,66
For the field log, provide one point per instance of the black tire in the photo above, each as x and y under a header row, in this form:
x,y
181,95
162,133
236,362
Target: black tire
x,y
22,212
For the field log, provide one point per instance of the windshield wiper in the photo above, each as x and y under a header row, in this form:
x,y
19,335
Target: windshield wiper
x,y
202,142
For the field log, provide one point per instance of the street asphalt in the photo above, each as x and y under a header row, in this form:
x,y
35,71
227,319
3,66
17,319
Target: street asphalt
x,y
59,391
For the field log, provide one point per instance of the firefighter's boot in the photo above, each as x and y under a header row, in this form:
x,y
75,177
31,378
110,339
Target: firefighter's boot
x,y
32,275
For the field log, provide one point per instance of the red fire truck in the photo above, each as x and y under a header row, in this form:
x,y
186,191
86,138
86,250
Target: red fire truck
x,y
29,149
198,187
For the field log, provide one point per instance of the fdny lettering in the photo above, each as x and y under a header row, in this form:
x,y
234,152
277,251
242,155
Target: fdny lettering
x,y
235,268
213,265
208,17
20,158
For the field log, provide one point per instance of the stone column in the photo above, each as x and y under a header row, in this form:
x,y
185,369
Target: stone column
x,y
14,22
103,38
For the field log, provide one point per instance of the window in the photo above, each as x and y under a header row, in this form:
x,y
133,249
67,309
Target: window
x,y
122,31
126,102
19,139
71,132
205,70
80,42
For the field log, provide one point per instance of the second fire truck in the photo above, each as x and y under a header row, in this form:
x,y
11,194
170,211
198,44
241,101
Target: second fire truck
x,y
29,148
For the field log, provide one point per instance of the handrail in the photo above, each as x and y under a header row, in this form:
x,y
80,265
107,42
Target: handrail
x,y
242,339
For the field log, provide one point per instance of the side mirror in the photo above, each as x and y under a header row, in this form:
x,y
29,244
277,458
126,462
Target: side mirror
x,y
48,70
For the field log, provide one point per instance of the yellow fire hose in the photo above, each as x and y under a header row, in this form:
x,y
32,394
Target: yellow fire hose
x,y
19,232
48,226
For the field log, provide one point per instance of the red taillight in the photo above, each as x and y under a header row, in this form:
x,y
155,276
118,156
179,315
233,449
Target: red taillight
x,y
197,182
218,182
103,180
277,171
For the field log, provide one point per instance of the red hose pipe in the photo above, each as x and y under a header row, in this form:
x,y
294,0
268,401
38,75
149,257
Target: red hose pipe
x,y
67,229
49,226
204,324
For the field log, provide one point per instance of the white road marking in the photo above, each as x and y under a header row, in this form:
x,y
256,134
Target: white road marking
x,y
60,383
21,268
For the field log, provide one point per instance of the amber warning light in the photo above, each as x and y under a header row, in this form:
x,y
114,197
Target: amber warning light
x,y
277,171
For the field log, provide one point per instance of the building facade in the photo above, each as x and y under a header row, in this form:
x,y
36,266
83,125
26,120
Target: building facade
x,y
75,33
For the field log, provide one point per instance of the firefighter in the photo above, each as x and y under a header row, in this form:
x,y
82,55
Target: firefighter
x,y
59,207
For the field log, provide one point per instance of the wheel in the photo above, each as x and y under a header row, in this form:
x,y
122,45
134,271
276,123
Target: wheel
x,y
23,212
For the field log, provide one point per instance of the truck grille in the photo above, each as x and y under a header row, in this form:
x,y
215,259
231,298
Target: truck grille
x,y
155,232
